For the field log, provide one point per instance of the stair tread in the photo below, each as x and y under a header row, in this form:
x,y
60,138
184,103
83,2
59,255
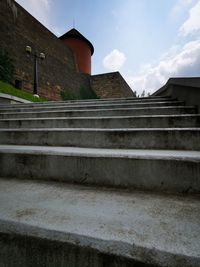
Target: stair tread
x,y
103,152
125,223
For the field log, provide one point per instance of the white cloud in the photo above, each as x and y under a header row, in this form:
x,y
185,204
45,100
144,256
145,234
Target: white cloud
x,y
40,9
114,60
192,24
185,63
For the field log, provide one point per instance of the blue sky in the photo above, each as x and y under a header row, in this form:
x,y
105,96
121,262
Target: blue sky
x,y
148,41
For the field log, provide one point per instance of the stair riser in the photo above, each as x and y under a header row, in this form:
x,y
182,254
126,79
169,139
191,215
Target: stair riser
x,y
181,140
89,106
106,113
135,122
54,253
145,174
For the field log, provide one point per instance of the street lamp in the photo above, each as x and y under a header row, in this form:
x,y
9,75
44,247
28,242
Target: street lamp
x,y
35,56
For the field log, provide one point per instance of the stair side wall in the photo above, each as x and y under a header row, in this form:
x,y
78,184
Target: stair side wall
x,y
184,89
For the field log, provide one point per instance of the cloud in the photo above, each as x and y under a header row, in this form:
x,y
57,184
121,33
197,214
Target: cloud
x,y
186,62
114,60
192,24
180,6
40,9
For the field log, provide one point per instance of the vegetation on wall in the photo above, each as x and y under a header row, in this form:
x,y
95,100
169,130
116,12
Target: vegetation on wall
x,y
87,93
6,67
10,90
67,95
84,93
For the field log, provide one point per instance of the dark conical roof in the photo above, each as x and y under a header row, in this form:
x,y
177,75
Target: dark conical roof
x,y
73,33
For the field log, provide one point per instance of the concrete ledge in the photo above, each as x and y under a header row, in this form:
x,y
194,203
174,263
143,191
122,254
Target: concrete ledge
x,y
131,228
184,89
5,98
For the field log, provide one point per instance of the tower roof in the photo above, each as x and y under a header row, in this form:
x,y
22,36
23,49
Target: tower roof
x,y
73,33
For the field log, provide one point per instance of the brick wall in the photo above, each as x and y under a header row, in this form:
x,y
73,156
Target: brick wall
x,y
110,85
57,72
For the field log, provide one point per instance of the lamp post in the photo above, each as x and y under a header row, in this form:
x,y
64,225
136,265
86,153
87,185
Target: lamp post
x,y
35,56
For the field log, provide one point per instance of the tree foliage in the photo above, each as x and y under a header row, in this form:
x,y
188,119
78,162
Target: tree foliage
x,y
6,67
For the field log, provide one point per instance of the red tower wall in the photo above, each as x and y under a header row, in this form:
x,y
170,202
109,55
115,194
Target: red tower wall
x,y
82,54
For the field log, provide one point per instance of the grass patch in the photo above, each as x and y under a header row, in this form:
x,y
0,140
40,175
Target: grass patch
x,y
6,88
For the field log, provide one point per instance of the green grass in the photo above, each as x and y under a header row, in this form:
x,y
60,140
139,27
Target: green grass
x,y
6,88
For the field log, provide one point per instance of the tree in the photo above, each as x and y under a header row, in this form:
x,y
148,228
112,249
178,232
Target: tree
x,y
143,93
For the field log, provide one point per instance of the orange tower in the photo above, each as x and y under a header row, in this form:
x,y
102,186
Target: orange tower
x,y
82,48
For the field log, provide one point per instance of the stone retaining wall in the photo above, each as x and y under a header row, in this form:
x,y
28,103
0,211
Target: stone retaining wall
x,y
109,85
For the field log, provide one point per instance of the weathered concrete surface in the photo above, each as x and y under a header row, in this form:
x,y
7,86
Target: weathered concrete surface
x,y
162,230
169,110
146,121
160,170
138,138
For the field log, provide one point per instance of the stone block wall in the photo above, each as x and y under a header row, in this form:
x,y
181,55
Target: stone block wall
x,y
111,85
57,72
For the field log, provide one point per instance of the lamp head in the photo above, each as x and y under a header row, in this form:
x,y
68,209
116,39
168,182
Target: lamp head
x,y
42,56
28,49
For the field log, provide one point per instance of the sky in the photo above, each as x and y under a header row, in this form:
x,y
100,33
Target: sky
x,y
147,41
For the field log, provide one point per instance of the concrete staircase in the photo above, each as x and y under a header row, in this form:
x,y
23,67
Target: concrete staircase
x,y
104,151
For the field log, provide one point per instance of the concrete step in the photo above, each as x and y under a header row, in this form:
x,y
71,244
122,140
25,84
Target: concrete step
x,y
92,101
103,112
92,106
138,138
157,170
147,121
69,225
